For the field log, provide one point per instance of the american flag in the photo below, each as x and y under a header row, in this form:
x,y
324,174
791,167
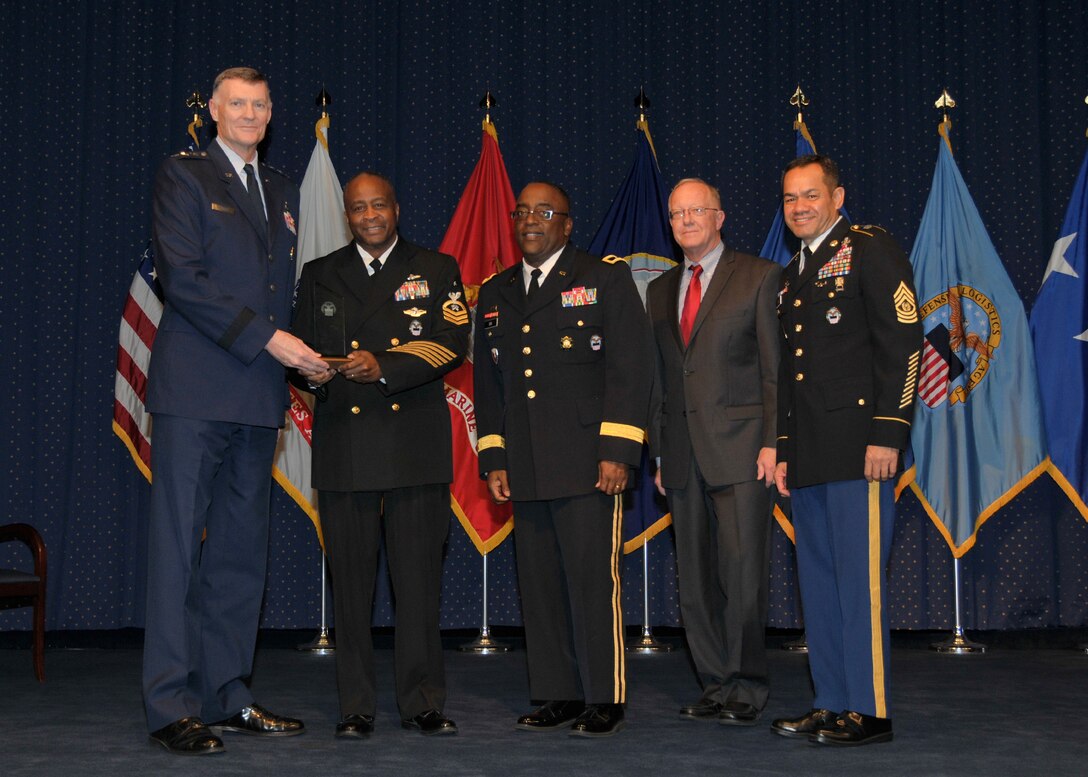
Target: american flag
x,y
939,367
139,323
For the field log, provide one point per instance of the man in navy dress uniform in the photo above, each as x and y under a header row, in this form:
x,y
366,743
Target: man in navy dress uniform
x,y
846,390
382,446
224,236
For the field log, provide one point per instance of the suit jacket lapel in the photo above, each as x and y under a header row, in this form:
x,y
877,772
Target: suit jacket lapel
x,y
722,273
352,273
392,275
236,188
672,307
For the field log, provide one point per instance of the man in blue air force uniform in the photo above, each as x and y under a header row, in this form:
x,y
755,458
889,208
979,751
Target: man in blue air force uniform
x,y
224,235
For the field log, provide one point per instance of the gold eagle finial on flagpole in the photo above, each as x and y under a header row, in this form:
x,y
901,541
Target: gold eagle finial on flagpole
x,y
945,103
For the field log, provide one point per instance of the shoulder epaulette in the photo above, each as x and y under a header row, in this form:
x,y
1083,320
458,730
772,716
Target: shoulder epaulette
x,y
867,229
272,169
187,154
612,259
485,280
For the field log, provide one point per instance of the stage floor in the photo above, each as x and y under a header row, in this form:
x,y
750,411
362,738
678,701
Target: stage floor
x,y
1010,711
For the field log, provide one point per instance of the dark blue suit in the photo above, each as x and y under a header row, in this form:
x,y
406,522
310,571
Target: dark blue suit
x,y
217,398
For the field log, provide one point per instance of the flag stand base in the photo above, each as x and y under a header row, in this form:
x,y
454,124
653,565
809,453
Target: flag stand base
x,y
483,645
958,645
799,645
648,644
320,645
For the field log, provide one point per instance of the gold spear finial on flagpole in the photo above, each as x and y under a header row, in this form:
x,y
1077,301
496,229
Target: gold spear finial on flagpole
x,y
642,102
800,101
323,101
945,103
196,104
487,102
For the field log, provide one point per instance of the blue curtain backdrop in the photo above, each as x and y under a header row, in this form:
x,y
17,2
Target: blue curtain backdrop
x,y
93,98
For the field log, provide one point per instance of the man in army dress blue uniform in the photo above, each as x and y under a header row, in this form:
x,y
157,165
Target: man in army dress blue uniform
x,y
846,391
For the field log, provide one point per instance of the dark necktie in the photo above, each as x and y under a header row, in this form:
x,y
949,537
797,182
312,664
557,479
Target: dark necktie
x,y
375,267
534,285
255,193
692,299
804,257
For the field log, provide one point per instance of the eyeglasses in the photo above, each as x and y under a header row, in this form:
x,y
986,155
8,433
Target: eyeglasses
x,y
696,212
519,215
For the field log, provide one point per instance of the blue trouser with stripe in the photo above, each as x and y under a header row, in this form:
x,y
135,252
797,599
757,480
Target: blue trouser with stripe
x,y
844,535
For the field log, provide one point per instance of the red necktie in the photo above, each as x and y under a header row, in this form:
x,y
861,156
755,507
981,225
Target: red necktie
x,y
692,299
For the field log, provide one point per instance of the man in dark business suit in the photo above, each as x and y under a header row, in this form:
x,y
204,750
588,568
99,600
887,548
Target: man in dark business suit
x,y
224,236
717,349
382,447
562,393
846,399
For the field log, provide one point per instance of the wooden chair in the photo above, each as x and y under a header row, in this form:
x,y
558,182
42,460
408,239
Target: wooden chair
x,y
23,589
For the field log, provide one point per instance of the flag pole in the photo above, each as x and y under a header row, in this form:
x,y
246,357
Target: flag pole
x,y
484,644
956,644
646,643
322,644
800,102
1083,646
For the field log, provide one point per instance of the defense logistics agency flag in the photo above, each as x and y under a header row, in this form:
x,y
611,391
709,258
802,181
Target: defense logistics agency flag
x,y
322,228
636,229
978,427
1059,326
481,237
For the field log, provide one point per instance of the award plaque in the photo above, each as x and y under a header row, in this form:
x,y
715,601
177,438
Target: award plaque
x,y
330,332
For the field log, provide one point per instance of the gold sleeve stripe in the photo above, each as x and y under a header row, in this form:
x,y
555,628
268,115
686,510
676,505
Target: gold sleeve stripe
x,y
889,418
490,441
434,354
626,431
912,379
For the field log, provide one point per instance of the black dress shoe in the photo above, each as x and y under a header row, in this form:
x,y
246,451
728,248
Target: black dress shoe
x,y
188,736
598,720
355,726
738,713
852,729
551,715
704,709
430,723
804,726
255,720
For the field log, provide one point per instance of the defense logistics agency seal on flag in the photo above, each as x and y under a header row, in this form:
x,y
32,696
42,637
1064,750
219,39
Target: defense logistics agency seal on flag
x,y
963,330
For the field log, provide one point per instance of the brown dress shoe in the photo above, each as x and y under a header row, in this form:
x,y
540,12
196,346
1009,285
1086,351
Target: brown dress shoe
x,y
804,726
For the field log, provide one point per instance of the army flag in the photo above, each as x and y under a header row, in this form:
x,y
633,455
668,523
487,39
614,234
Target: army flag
x,y
636,229
1059,327
322,228
481,237
978,428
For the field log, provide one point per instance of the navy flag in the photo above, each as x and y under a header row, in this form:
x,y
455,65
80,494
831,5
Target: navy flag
x,y
636,229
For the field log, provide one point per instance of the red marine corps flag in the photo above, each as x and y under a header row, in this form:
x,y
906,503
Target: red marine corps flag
x,y
481,237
